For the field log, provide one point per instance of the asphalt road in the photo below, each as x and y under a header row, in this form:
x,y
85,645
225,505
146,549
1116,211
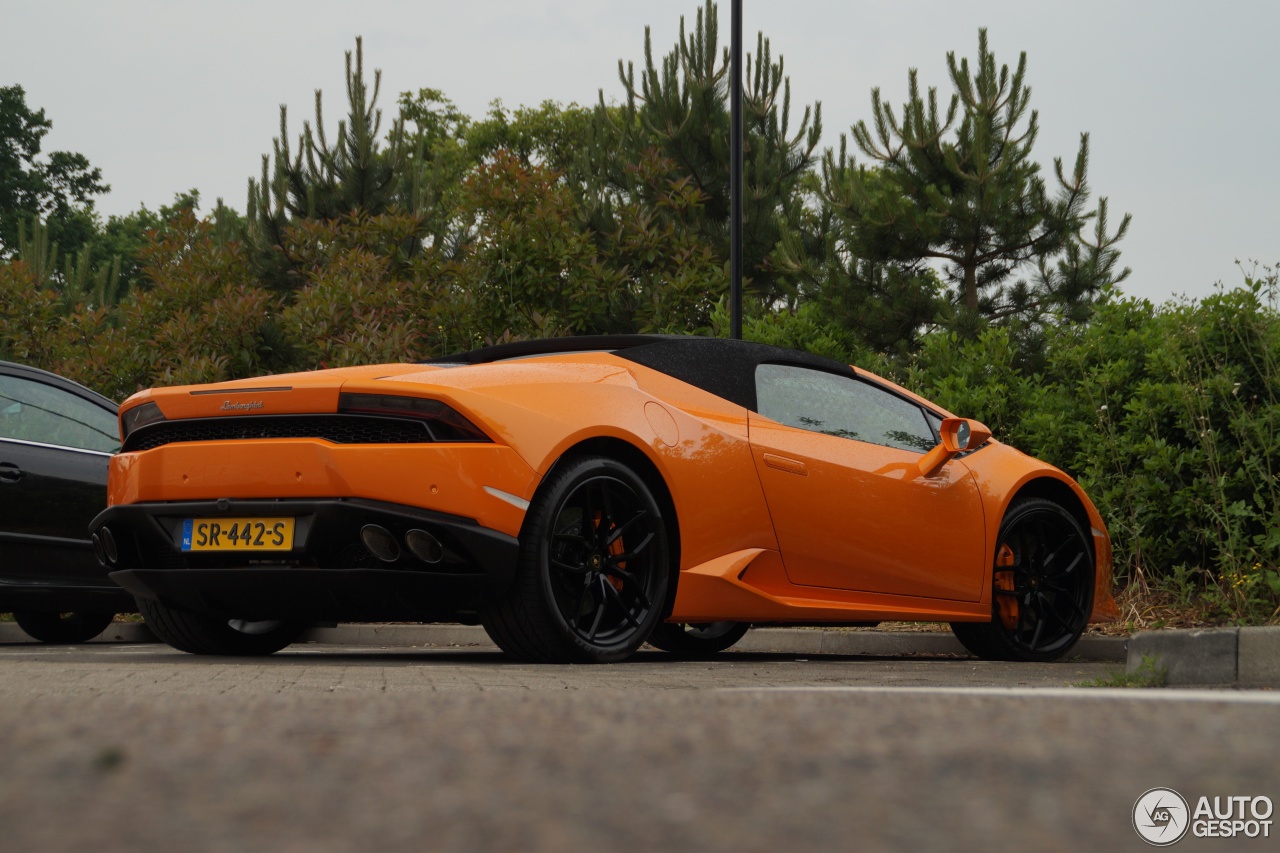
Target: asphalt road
x,y
325,748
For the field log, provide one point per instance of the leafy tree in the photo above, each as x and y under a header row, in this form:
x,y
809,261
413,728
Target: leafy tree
x,y
30,311
204,316
565,139
530,270
58,189
807,329
550,135
356,308
958,189
537,259
124,238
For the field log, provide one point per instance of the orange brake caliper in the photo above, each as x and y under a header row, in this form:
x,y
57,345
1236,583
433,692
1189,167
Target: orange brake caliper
x,y
614,550
1007,605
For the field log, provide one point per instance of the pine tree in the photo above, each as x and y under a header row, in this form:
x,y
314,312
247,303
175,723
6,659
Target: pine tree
x,y
358,174
77,280
958,190
885,305
680,110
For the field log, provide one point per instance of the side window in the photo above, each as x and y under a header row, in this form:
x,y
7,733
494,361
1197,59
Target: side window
x,y
33,411
837,405
935,423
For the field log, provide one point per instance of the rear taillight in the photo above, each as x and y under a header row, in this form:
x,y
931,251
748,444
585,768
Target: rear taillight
x,y
445,423
138,417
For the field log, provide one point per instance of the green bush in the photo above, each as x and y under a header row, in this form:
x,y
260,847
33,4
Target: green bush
x,y
1169,416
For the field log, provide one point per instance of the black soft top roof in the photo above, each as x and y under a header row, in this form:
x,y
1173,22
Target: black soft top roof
x,y
720,366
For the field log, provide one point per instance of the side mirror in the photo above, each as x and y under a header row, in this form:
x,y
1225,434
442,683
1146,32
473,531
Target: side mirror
x,y
961,434
958,435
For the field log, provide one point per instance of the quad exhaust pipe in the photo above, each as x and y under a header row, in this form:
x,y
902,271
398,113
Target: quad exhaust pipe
x,y
424,546
382,544
104,547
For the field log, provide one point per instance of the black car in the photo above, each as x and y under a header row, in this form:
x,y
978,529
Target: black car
x,y
56,438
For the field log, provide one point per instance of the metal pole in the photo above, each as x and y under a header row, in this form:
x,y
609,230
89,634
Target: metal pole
x,y
735,174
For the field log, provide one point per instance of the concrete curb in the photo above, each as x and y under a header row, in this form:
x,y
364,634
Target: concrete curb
x,y
1244,657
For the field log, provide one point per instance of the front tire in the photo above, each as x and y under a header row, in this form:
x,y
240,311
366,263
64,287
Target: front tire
x,y
75,627
594,566
209,635
1042,588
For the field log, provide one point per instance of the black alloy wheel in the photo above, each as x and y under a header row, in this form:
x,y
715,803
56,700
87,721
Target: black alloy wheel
x,y
697,639
1042,590
78,627
594,568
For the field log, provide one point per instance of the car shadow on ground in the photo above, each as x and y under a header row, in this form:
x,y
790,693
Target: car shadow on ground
x,y
314,654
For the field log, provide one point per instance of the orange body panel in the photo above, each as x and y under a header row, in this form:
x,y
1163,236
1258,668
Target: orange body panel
x,y
542,409
441,477
852,520
752,586
728,496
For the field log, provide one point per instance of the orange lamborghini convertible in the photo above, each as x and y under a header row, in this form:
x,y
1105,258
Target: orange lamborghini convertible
x,y
581,496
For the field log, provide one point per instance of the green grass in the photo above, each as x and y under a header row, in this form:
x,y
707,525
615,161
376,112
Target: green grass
x,y
1148,674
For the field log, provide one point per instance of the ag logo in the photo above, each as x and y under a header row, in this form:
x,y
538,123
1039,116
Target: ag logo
x,y
1161,817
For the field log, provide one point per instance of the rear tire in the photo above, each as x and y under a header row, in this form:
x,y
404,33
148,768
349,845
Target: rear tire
x,y
697,639
1042,588
75,627
593,572
209,635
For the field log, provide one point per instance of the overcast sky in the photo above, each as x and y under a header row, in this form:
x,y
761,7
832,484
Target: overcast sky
x,y
1178,97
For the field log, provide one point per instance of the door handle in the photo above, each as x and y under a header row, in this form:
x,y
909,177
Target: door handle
x,y
10,473
782,463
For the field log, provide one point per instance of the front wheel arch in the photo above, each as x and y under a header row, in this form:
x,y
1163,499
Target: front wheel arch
x,y
1058,492
1040,591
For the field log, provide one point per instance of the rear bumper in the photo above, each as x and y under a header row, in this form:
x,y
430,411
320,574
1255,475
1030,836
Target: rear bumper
x,y
329,575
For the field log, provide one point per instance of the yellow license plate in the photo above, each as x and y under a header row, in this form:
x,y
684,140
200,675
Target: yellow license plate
x,y
237,534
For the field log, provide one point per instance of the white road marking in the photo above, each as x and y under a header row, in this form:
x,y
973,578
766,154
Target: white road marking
x,y
1166,694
